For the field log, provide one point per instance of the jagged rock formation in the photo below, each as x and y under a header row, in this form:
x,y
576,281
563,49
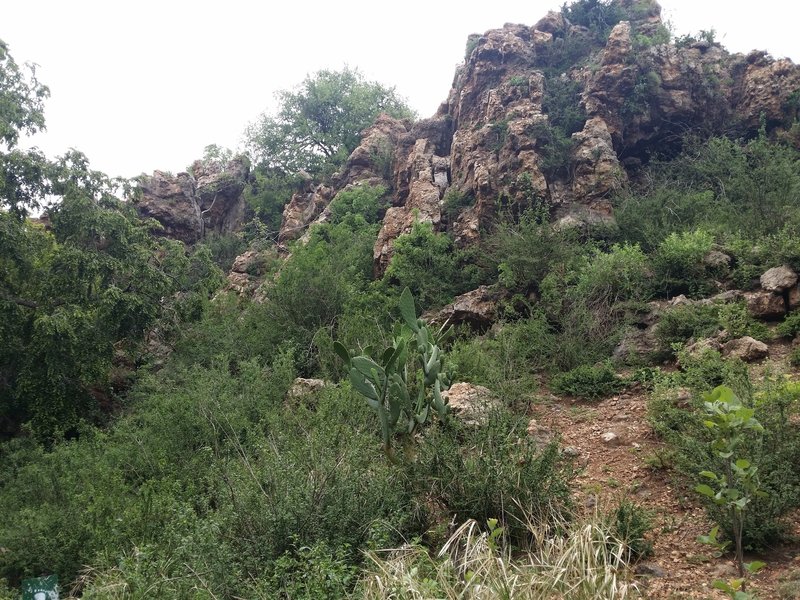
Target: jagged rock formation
x,y
492,140
187,205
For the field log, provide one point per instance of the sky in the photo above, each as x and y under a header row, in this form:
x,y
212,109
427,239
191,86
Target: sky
x,y
146,85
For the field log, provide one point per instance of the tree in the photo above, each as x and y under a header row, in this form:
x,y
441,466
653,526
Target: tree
x,y
318,124
77,288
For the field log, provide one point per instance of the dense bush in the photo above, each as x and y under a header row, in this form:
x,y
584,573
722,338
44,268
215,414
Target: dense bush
x,y
587,382
426,262
493,471
776,451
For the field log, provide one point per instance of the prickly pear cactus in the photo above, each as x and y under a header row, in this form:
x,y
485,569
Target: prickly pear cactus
x,y
389,380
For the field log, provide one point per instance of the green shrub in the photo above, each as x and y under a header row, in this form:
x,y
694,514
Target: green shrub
x,y
630,523
790,326
426,262
525,251
366,201
316,571
454,202
679,266
681,323
776,451
590,383
738,322
493,471
507,360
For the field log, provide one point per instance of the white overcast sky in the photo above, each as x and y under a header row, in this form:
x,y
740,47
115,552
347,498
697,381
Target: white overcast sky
x,y
146,85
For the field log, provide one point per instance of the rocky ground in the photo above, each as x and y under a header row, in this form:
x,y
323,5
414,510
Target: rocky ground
x,y
618,455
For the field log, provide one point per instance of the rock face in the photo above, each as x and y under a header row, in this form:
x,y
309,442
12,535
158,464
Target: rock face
x,y
493,146
188,205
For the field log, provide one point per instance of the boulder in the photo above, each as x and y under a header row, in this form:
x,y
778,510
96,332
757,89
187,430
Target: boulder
x,y
305,387
540,434
765,305
477,308
469,403
778,279
746,349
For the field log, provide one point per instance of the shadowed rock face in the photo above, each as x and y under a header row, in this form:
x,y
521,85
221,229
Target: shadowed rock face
x,y
488,141
189,205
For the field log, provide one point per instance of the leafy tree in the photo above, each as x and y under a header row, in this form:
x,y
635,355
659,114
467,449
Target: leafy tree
x,y
78,287
319,123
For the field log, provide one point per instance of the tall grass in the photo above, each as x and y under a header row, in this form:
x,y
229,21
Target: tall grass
x,y
579,561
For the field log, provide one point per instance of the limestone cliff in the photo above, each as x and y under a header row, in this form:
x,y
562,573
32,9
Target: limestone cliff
x,y
557,115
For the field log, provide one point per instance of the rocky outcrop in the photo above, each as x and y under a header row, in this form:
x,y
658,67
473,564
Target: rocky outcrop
x,y
247,273
494,143
477,308
303,209
778,295
188,205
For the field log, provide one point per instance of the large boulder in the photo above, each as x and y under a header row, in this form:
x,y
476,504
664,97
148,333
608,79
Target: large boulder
x,y
746,349
778,279
477,308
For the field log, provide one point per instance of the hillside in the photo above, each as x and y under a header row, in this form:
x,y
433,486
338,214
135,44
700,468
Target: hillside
x,y
542,344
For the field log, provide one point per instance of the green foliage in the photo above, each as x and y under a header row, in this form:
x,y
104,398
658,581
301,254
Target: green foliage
x,y
630,523
696,321
597,15
316,571
267,192
589,383
493,471
454,202
719,186
735,484
425,262
91,287
224,248
555,148
775,451
366,201
738,322
507,360
679,266
681,323
562,104
401,404
312,289
790,326
525,251
319,123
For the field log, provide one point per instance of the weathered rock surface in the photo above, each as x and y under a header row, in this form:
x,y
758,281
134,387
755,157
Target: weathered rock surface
x,y
188,205
477,308
302,386
779,279
746,349
471,404
246,274
765,305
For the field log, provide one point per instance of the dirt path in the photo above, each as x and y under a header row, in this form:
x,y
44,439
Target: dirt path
x,y
680,567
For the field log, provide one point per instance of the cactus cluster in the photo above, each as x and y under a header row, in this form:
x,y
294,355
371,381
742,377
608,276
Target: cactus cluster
x,y
405,381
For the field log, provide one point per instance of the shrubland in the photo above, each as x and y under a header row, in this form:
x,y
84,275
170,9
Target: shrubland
x,y
151,446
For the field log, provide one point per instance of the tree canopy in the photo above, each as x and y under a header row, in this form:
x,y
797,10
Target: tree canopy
x,y
318,124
